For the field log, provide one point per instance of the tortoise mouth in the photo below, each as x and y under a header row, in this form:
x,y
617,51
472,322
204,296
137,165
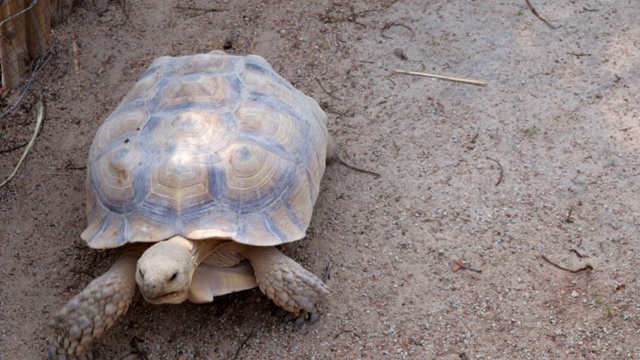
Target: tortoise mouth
x,y
174,297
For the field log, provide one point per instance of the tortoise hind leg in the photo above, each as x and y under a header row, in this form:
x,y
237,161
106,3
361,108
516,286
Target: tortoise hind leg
x,y
287,283
85,317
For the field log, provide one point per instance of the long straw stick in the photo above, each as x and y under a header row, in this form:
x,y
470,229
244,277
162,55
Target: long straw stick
x,y
468,81
40,108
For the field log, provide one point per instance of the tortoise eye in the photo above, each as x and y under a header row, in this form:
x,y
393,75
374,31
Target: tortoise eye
x,y
141,274
173,277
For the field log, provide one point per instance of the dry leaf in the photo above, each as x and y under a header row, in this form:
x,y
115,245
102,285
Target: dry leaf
x,y
457,264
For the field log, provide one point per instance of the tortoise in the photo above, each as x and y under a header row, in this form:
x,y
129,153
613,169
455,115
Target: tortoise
x,y
207,165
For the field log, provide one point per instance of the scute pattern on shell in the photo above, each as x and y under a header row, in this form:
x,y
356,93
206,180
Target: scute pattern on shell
x,y
205,146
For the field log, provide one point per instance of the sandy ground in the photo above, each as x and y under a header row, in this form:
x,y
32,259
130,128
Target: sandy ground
x,y
540,163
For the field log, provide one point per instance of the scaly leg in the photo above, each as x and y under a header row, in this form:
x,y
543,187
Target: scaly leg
x,y
286,282
90,313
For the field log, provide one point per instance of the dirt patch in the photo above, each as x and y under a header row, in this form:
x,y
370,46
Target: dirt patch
x,y
541,161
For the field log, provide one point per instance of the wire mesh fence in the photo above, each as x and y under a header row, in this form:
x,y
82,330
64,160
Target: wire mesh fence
x,y
25,31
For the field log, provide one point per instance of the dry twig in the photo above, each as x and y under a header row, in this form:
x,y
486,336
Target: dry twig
x,y
586,267
42,61
106,62
577,253
199,10
40,118
346,332
533,10
501,171
354,168
472,143
13,148
416,73
244,342
325,90
71,167
388,26
400,54
569,219
326,275
76,60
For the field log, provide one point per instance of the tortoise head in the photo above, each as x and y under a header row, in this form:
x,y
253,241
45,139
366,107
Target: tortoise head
x,y
165,270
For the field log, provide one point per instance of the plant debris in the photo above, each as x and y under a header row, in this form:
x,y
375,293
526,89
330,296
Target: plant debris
x,y
535,12
39,119
584,268
501,171
416,73
459,264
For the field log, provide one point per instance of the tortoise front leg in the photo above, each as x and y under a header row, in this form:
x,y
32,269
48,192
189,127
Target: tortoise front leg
x,y
90,313
287,283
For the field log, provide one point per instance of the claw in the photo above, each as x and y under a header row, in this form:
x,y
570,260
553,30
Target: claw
x,y
313,318
55,355
290,317
292,287
300,320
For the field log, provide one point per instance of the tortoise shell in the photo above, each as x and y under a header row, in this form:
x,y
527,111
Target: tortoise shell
x,y
206,146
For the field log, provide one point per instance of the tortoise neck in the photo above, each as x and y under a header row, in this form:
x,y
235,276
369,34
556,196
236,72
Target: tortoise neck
x,y
199,249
